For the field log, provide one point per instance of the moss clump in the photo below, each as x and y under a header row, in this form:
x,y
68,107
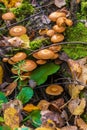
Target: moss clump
x,y
39,42
75,51
76,33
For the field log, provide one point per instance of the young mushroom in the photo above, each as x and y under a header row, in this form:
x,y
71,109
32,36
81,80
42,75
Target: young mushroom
x,y
45,54
54,89
8,17
56,48
53,16
61,21
41,62
18,57
68,22
17,30
50,32
43,105
58,29
57,38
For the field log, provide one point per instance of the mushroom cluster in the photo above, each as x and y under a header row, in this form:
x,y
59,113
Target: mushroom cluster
x,y
61,22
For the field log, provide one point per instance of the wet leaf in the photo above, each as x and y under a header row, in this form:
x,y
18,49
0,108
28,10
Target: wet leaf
x,y
1,74
77,106
25,94
30,107
11,118
10,88
81,124
40,74
36,118
60,3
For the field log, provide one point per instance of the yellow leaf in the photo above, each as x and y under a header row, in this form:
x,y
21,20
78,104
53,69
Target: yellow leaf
x,y
11,117
74,90
1,74
30,107
25,38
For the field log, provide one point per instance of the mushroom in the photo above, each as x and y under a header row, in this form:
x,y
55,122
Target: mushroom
x,y
45,54
44,128
55,56
57,38
50,32
43,105
58,29
5,59
56,48
61,21
53,16
68,22
25,76
17,30
28,65
35,55
54,89
11,62
8,17
18,57
41,62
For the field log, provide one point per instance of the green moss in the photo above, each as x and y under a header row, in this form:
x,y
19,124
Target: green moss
x,y
23,10
75,51
37,43
84,8
76,33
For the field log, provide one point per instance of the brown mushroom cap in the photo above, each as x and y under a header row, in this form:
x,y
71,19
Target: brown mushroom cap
x,y
41,62
11,62
58,29
17,31
57,38
50,32
25,76
54,89
43,105
55,48
35,55
8,16
53,16
45,54
56,55
61,21
18,57
5,59
29,65
69,22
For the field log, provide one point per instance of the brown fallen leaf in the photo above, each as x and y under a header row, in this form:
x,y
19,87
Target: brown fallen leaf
x,y
11,117
69,128
77,106
81,124
30,107
10,88
74,90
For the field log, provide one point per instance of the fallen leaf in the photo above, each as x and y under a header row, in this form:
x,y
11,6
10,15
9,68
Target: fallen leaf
x,y
77,106
25,40
74,90
10,88
60,3
81,124
30,107
69,128
11,118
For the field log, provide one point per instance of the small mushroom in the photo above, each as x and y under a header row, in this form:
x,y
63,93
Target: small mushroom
x,y
54,89
41,62
58,29
11,62
35,55
25,76
43,31
17,31
28,65
56,48
5,59
56,55
45,54
57,38
8,16
18,57
43,105
53,16
50,32
61,21
68,22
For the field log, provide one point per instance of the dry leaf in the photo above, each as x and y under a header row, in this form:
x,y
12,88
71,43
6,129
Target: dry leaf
x,y
30,107
1,74
11,117
10,88
60,3
81,124
69,128
74,90
77,106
